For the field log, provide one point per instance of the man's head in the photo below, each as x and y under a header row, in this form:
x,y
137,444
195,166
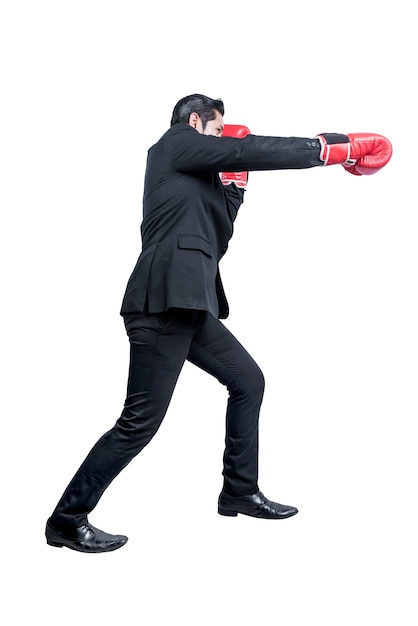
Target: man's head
x,y
201,112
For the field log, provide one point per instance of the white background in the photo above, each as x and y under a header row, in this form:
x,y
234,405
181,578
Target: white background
x,y
322,283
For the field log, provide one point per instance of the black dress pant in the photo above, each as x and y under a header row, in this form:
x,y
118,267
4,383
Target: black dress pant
x,y
159,346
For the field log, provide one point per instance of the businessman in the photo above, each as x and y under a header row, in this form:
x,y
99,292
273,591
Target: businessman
x,y
195,181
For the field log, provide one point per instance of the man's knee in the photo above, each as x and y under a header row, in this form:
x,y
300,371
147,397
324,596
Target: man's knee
x,y
251,385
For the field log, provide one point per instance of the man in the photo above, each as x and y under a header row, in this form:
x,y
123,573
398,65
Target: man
x,y
174,302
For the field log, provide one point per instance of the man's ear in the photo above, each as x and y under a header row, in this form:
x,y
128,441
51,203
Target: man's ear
x,y
193,119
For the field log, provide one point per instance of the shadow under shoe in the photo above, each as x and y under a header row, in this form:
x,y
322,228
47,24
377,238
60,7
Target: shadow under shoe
x,y
85,538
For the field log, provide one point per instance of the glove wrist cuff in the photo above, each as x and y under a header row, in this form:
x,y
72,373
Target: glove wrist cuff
x,y
335,149
239,178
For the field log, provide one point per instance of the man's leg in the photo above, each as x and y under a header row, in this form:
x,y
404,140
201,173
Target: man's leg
x,y
159,347
215,350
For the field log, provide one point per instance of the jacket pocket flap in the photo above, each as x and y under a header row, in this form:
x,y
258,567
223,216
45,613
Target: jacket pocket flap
x,y
194,242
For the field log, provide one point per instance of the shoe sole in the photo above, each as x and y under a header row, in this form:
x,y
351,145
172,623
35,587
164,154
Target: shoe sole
x,y
227,513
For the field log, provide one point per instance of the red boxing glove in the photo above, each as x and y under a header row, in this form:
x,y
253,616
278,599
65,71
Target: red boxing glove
x,y
239,178
358,153
235,130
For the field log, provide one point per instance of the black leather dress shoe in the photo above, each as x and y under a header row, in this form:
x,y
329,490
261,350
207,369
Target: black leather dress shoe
x,y
255,505
86,538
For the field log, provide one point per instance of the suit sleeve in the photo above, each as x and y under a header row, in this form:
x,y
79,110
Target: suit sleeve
x,y
190,151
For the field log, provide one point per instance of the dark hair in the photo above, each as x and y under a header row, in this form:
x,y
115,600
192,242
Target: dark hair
x,y
204,106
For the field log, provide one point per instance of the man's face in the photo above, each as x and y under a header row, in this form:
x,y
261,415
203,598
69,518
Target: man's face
x,y
214,127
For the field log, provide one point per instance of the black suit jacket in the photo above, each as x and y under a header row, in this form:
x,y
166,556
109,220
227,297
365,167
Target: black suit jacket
x,y
188,214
